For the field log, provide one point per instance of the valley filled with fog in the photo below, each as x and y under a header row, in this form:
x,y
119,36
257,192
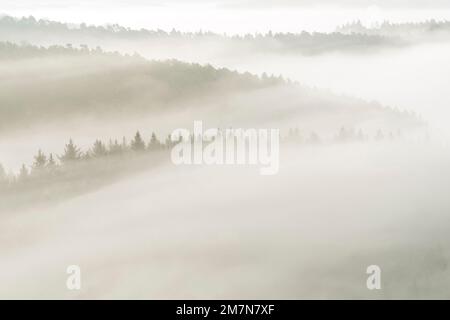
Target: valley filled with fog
x,y
406,70
226,232
86,176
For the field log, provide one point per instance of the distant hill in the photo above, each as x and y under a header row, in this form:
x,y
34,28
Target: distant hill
x,y
45,32
42,85
414,31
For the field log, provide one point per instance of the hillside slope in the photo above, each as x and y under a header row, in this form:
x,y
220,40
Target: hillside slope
x,y
50,84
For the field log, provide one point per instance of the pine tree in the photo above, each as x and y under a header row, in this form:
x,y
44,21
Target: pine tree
x,y
114,147
23,174
99,149
3,176
124,145
51,163
2,172
40,161
71,153
154,144
138,144
85,156
264,77
169,143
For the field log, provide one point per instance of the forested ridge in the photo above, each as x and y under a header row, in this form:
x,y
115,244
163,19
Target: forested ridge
x,y
92,82
388,29
76,170
34,31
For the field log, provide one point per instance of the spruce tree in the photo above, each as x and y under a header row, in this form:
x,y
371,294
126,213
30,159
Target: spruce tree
x,y
40,161
71,153
51,163
23,174
124,146
99,149
169,144
3,176
138,144
85,156
114,147
154,144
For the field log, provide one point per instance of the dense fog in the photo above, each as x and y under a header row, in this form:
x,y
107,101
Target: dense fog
x,y
88,95
226,232
377,67
86,176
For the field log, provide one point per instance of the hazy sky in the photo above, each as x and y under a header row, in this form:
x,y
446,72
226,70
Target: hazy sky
x,y
231,16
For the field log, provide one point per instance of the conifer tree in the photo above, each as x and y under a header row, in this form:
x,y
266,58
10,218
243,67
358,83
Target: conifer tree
x,y
51,163
23,174
71,153
86,156
3,176
40,161
154,144
124,144
99,149
114,147
138,144
169,143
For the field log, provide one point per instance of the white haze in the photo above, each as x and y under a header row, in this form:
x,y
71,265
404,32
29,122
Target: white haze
x,y
227,232
62,78
413,78
232,17
218,232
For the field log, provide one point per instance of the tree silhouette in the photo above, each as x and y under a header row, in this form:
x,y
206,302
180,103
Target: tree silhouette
x,y
51,163
3,176
71,153
169,143
86,156
124,146
114,147
99,149
138,144
40,161
23,174
154,144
